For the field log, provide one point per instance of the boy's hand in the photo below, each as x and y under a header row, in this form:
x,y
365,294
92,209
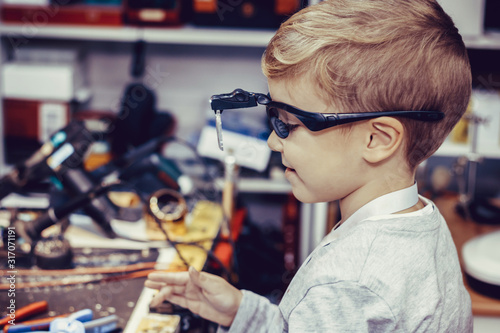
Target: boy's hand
x,y
205,294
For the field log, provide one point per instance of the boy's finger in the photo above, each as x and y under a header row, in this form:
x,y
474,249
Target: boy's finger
x,y
207,282
179,300
178,278
162,295
154,284
178,290
194,275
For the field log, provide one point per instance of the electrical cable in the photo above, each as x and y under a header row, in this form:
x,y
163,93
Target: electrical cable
x,y
203,162
210,254
212,180
195,152
174,244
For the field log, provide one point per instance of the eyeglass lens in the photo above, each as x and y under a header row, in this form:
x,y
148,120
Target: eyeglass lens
x,y
279,126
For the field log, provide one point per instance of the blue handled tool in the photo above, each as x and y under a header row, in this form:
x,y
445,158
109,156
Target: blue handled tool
x,y
101,325
36,325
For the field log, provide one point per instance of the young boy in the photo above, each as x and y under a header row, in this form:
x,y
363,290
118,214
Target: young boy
x,y
390,265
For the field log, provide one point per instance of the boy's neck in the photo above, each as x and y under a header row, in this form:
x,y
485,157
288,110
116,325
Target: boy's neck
x,y
372,190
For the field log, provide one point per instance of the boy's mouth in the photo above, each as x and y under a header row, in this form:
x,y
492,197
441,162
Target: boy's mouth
x,y
288,168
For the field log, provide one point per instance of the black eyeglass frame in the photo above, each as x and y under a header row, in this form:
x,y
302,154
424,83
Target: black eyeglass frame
x,y
313,121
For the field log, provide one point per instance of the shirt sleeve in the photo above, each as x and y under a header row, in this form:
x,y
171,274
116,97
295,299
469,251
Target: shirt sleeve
x,y
256,314
341,307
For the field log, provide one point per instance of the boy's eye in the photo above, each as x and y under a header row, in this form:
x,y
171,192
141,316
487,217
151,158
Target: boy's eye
x,y
291,127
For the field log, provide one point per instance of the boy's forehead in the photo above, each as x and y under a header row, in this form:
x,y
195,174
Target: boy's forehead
x,y
301,93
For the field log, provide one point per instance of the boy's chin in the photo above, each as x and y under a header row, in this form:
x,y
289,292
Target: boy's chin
x,y
303,196
309,196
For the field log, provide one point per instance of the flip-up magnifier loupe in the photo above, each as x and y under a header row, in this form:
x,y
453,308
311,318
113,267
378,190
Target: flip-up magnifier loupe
x,y
238,99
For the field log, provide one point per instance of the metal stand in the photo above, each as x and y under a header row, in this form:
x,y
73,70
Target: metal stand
x,y
467,184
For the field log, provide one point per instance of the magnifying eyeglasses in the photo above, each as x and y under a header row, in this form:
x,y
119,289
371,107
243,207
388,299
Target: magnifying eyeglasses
x,y
313,121
238,99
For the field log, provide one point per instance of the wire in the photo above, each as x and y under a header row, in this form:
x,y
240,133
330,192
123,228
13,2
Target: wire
x,y
174,244
217,239
170,242
195,152
209,253
212,179
207,175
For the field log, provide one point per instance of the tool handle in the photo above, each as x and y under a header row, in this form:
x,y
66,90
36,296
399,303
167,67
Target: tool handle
x,y
26,311
44,323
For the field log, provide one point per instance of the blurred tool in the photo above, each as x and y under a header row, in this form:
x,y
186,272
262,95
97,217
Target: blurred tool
x,y
62,158
228,193
101,325
133,166
50,156
71,324
138,120
62,325
45,323
473,158
471,206
53,252
26,312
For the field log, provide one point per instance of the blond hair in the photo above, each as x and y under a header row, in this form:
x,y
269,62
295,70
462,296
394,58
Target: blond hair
x,y
379,55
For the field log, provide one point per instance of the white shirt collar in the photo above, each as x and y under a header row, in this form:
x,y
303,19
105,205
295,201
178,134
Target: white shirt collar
x,y
387,204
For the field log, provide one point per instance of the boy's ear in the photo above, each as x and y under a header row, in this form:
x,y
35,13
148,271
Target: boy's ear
x,y
383,139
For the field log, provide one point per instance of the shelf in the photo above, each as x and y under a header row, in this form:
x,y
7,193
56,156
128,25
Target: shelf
x,y
488,41
209,36
449,149
259,185
184,35
264,186
121,34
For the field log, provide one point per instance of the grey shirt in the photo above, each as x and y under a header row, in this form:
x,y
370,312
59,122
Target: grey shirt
x,y
391,273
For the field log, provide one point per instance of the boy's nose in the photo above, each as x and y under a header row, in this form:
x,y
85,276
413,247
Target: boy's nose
x,y
274,142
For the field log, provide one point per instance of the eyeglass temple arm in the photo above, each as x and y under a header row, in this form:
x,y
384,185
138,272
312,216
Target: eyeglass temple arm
x,y
237,99
345,118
